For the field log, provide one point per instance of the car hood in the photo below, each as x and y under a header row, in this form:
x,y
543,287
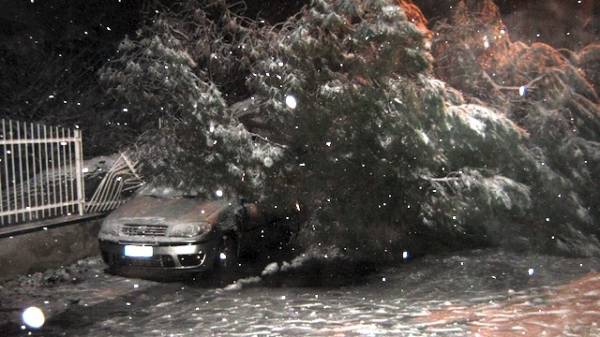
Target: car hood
x,y
168,211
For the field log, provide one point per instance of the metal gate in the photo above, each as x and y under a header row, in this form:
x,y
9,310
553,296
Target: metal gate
x,y
119,183
40,172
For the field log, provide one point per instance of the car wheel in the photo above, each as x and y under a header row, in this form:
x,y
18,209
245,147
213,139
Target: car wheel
x,y
227,255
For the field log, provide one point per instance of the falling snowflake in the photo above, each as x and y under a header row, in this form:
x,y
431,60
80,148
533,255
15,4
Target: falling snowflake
x,y
291,102
268,162
33,317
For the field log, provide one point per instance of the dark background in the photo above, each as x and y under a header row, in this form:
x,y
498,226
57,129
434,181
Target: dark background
x,y
51,50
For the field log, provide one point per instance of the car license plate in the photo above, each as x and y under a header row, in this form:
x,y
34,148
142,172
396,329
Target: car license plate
x,y
138,251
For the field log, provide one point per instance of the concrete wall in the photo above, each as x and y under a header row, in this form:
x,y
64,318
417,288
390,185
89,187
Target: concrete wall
x,y
49,247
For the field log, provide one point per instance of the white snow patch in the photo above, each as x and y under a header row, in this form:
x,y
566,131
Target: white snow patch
x,y
523,90
423,136
480,119
476,124
239,284
270,269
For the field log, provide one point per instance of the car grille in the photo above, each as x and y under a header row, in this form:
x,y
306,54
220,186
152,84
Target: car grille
x,y
144,230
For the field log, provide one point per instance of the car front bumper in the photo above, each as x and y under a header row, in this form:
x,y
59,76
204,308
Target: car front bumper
x,y
186,257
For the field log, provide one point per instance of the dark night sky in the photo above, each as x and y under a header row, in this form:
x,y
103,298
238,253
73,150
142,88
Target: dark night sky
x,y
561,23
62,23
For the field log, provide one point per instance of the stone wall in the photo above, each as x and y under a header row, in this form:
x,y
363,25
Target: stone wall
x,y
48,245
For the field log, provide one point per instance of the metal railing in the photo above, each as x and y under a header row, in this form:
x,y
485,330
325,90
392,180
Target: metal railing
x,y
119,183
41,174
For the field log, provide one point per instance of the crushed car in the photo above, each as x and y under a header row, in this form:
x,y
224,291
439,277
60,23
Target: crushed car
x,y
161,229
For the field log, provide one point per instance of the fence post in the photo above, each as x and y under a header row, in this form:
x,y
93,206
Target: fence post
x,y
79,174
4,147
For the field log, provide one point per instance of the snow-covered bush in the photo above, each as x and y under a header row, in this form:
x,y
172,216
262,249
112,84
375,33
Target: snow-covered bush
x,y
588,60
344,122
544,92
384,155
171,78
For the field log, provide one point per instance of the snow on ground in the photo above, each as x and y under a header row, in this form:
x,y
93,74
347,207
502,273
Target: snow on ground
x,y
476,293
81,284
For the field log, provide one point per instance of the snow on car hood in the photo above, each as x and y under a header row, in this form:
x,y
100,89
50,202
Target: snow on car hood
x,y
169,210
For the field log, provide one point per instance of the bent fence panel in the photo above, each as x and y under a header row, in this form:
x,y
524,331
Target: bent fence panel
x,y
40,172
119,183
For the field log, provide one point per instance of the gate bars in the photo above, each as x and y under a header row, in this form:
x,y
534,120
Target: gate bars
x,y
41,172
121,181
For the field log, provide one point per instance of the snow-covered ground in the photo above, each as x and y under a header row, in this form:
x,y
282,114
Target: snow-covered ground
x,y
475,293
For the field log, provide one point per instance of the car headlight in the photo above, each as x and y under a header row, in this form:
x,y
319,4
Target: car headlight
x,y
187,230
